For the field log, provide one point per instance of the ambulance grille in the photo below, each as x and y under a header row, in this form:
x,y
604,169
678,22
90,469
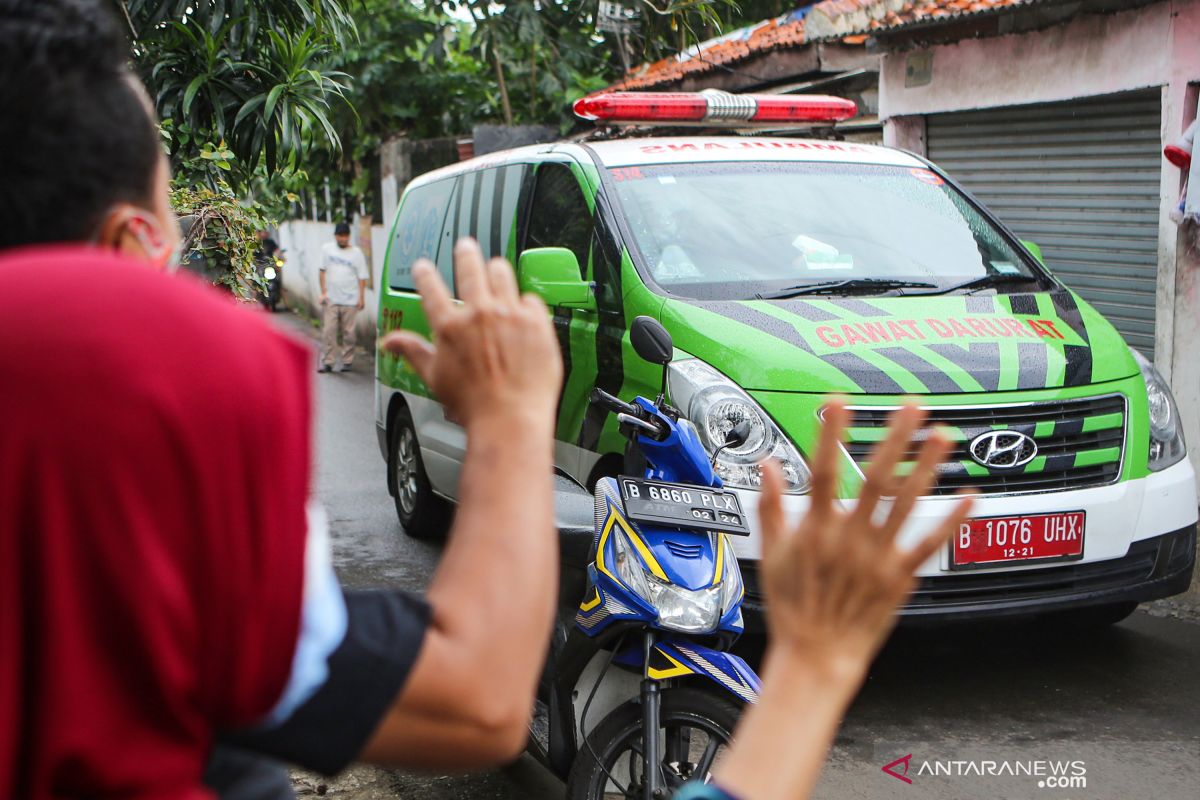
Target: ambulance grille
x,y
1080,443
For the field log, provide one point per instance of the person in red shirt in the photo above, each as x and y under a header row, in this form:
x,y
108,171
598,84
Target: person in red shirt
x,y
154,603
153,600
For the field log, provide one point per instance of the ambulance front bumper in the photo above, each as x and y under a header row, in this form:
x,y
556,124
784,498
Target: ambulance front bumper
x,y
1139,544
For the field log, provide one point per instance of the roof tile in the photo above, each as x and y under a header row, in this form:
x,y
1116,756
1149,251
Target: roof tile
x,y
847,20
832,19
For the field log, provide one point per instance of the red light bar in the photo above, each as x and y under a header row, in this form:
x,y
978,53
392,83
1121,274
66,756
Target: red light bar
x,y
711,107
1178,156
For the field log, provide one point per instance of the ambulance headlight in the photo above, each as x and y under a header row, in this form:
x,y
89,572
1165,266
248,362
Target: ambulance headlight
x,y
1167,446
715,404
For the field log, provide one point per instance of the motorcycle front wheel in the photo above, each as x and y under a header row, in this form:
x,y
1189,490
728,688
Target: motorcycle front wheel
x,y
697,727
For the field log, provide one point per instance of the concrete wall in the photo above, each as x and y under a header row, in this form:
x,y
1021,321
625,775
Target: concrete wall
x,y
1093,54
303,241
1089,55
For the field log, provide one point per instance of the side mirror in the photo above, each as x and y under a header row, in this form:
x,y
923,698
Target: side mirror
x,y
651,341
738,435
1035,249
552,273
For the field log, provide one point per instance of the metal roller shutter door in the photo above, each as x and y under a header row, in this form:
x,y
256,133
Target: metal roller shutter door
x,y
1081,179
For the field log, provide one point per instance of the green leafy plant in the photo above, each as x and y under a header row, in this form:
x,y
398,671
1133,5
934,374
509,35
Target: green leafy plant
x,y
221,236
254,76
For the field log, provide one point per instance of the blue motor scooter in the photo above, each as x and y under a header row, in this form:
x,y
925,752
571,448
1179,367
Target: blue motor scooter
x,y
647,647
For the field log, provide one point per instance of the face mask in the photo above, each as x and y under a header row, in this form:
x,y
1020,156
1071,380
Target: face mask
x,y
152,244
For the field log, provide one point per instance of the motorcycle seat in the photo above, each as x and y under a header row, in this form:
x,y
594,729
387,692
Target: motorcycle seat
x,y
574,517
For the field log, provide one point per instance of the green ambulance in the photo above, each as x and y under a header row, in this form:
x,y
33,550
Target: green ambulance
x,y
788,270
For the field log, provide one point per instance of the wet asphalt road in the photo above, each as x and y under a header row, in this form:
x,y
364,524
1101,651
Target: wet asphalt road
x,y
1125,702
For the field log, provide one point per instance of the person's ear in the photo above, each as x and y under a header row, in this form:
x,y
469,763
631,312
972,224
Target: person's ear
x,y
134,231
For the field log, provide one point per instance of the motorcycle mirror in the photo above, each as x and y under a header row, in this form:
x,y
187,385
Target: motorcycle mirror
x,y
651,340
738,435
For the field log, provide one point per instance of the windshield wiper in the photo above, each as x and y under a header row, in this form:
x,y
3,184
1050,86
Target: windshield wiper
x,y
848,285
986,281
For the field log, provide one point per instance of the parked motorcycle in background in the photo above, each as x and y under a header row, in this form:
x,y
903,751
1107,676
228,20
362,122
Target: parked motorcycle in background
x,y
647,647
272,273
268,260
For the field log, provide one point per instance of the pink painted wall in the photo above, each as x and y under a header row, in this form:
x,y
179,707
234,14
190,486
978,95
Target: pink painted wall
x,y
1091,55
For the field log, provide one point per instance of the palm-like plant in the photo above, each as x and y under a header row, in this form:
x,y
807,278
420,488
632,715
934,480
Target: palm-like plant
x,y
251,76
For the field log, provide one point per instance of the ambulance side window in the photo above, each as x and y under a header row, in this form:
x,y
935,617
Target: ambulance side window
x,y
417,231
450,233
559,215
487,205
506,192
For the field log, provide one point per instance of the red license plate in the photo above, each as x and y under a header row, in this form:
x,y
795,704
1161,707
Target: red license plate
x,y
1001,540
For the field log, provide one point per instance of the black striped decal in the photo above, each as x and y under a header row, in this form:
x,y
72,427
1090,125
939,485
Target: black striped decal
x,y
808,311
860,308
1079,357
562,329
1023,304
979,305
934,379
865,375
1032,365
980,360
610,332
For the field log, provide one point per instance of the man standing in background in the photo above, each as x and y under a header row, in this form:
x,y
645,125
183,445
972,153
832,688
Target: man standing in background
x,y
343,295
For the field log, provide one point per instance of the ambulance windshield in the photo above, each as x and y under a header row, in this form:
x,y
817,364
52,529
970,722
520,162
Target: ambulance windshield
x,y
734,231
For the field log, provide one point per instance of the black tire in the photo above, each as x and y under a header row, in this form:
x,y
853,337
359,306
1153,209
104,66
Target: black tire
x,y
1091,617
422,514
682,708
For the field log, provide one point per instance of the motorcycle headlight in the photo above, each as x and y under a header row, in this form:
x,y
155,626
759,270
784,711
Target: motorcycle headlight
x,y
1167,446
686,610
731,581
680,609
715,404
629,566
269,273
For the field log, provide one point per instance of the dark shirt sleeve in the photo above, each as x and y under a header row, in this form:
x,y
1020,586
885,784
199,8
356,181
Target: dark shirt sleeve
x,y
235,775
367,671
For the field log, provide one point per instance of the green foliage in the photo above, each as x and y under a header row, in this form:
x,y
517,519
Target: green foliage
x,y
248,77
272,99
222,236
418,69
670,27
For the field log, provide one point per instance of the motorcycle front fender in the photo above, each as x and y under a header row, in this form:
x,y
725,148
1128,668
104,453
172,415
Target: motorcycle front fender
x,y
679,659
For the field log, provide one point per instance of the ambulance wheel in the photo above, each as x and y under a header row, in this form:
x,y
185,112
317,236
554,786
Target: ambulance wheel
x,y
422,514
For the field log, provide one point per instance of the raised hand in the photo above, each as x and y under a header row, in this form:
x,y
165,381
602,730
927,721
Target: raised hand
x,y
493,355
833,582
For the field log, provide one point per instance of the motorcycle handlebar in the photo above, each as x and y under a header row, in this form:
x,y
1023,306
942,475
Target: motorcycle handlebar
x,y
616,405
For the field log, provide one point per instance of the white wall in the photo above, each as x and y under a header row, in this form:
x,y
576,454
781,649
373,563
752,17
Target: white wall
x,y
302,241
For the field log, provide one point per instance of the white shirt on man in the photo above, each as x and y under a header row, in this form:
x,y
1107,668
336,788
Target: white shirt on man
x,y
344,267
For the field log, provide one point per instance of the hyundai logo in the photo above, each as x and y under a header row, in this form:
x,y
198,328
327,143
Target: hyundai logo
x,y
1002,449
